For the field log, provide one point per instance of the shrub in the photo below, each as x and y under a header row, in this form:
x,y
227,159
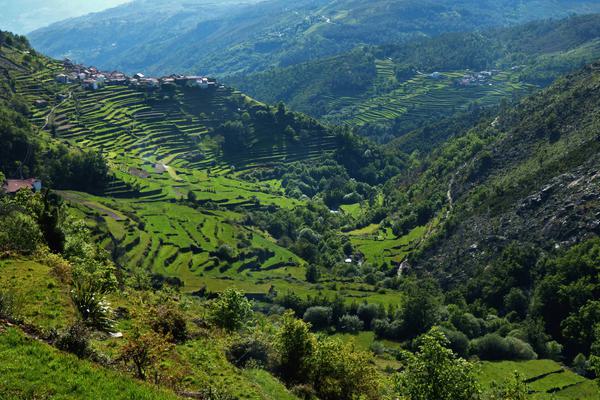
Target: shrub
x,y
580,365
9,303
294,344
350,324
338,372
75,340
458,342
143,352
495,347
377,348
313,274
490,347
93,309
554,350
20,233
319,317
434,372
225,253
231,310
519,350
513,388
60,267
169,321
467,324
253,349
367,313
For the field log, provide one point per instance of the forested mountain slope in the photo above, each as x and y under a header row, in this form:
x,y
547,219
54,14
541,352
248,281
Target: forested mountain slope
x,y
529,175
219,38
517,204
390,90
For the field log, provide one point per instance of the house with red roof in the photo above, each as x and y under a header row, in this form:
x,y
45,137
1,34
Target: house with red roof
x,y
12,186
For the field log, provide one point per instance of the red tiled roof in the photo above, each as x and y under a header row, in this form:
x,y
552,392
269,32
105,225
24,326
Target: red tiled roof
x,y
14,185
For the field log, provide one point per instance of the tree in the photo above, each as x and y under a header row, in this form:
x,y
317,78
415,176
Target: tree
x,y
231,310
294,344
319,317
595,355
338,372
19,232
313,274
168,320
350,324
144,352
434,372
191,196
421,308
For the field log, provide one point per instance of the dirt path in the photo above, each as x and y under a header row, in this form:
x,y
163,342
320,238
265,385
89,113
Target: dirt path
x,y
75,198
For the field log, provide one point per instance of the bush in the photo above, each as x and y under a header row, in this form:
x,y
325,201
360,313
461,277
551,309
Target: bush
x,y
580,365
231,310
75,340
169,321
319,317
350,324
144,352
458,342
367,313
93,309
338,372
495,347
8,303
434,372
253,349
225,253
313,274
20,233
467,324
295,344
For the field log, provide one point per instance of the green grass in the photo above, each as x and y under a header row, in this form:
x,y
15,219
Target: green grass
x,y
418,98
32,370
546,379
42,300
271,387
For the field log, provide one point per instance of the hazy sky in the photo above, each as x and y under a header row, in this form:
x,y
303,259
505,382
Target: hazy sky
x,y
24,16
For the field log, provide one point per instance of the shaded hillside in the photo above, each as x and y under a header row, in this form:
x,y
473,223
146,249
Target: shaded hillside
x,y
228,38
389,91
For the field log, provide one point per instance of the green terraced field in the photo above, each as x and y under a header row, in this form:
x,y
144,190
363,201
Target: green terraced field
x,y
546,379
420,97
157,150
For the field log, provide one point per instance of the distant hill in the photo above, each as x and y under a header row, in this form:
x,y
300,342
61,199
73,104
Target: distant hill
x,y
24,16
224,38
390,90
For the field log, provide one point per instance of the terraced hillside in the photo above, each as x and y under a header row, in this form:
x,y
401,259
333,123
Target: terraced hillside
x,y
545,379
162,148
397,87
421,97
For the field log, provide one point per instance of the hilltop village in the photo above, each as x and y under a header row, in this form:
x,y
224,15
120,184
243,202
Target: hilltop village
x,y
92,78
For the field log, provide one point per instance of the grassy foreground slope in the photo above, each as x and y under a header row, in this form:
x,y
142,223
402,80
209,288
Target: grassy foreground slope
x,y
38,371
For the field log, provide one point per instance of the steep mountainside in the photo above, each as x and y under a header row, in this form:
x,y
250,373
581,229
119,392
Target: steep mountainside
x,y
390,90
534,180
219,38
